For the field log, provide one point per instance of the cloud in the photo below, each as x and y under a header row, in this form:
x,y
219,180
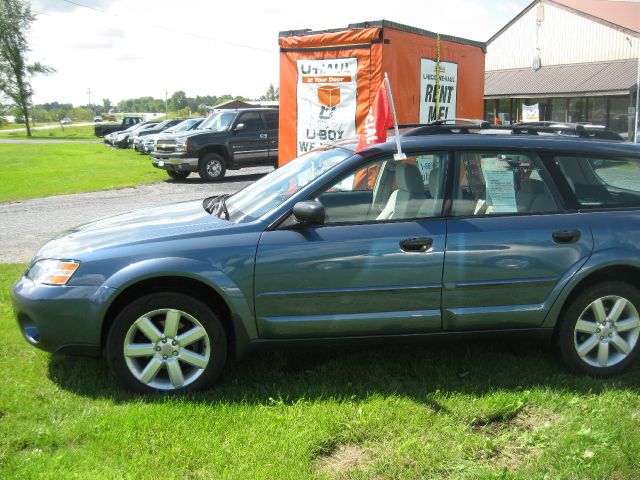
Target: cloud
x,y
129,57
91,44
60,6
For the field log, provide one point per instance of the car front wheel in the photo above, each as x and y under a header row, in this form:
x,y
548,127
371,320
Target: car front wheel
x,y
212,167
166,341
600,329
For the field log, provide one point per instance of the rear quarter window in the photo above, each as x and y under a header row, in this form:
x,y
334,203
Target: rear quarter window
x,y
599,182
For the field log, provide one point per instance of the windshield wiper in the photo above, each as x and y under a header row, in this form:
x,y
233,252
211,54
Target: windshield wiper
x,y
217,206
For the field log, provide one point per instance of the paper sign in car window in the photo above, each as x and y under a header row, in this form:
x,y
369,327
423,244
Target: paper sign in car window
x,y
426,163
500,186
500,189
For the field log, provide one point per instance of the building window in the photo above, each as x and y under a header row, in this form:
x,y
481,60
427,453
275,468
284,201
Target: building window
x,y
504,111
577,110
558,110
618,120
597,110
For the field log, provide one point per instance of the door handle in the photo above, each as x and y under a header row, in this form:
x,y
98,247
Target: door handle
x,y
422,244
263,135
566,236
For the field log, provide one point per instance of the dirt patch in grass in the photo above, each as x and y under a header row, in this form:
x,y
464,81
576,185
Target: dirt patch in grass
x,y
342,458
510,442
525,419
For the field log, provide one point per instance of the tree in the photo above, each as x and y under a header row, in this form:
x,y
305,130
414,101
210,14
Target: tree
x,y
15,73
272,93
178,101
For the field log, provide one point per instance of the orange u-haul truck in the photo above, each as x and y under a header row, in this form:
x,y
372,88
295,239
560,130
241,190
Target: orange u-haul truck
x,y
328,80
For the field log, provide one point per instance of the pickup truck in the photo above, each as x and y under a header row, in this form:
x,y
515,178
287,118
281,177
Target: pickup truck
x,y
101,129
226,140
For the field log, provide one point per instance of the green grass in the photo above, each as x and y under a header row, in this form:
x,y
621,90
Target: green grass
x,y
461,410
70,132
38,170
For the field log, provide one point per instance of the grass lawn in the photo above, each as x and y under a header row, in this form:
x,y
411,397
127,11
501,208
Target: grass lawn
x,y
38,170
13,126
462,410
70,132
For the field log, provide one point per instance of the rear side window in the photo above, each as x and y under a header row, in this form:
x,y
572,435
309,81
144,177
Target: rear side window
x,y
498,183
272,120
602,182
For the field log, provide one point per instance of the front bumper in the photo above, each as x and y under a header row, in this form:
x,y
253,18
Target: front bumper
x,y
178,162
60,319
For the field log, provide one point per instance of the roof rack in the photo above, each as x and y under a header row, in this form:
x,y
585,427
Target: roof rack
x,y
446,126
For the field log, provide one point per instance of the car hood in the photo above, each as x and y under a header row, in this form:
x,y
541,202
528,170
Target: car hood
x,y
193,133
131,228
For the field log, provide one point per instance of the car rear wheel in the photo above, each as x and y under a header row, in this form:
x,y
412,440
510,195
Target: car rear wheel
x,y
600,329
212,167
177,175
166,341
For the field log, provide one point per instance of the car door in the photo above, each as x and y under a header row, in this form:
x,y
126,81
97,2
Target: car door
x,y
358,273
271,120
250,143
510,246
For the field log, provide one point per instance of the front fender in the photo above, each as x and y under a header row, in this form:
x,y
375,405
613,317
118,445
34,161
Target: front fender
x,y
602,259
232,294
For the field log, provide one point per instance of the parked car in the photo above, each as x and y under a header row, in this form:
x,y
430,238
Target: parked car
x,y
185,126
227,140
121,139
97,118
471,234
65,121
103,129
136,141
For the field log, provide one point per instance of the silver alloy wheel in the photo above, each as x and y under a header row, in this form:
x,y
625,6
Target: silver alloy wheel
x,y
167,349
606,331
214,168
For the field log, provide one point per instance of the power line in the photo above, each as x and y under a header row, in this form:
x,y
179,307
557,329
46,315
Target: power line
x,y
169,29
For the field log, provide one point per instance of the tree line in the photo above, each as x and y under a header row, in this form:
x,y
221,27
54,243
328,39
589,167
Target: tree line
x,y
178,104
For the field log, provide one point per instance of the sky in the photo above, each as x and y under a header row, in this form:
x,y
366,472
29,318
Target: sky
x,y
123,49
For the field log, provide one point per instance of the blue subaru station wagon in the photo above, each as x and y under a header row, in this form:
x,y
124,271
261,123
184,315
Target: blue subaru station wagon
x,y
473,233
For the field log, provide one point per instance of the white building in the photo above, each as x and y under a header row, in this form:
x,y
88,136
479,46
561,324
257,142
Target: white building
x,y
576,59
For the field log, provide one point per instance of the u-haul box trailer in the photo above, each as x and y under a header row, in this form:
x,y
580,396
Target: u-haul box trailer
x,y
328,80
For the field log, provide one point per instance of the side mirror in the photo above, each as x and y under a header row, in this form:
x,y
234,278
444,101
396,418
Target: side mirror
x,y
310,212
239,126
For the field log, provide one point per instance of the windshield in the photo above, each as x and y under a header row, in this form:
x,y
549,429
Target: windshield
x,y
183,126
218,121
162,125
274,189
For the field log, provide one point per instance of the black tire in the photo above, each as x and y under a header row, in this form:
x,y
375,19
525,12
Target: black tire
x,y
177,175
212,167
212,346
570,339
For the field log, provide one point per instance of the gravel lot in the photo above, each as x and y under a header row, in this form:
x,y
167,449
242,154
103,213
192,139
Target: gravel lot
x,y
26,225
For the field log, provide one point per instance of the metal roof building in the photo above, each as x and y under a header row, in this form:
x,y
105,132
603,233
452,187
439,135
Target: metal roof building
x,y
576,60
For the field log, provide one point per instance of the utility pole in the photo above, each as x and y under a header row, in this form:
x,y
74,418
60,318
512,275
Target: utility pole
x,y
166,104
89,93
635,127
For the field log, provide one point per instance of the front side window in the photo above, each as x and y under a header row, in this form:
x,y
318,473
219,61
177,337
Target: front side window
x,y
388,190
602,182
251,120
495,183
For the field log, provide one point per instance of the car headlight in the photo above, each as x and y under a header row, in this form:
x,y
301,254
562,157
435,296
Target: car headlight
x,y
53,272
182,145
